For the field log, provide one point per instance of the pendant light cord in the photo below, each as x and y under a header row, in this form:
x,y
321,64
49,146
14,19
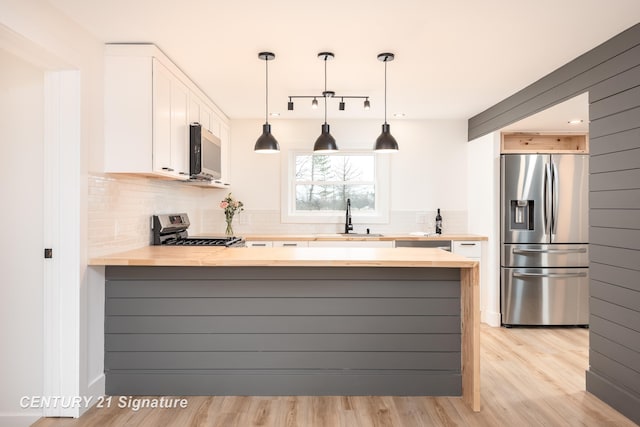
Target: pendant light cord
x,y
325,90
385,91
266,89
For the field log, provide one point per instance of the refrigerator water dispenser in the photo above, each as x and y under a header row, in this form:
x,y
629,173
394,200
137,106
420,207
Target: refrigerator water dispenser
x,y
522,214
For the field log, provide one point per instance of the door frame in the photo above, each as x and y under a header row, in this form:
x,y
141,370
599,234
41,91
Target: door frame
x,y
62,223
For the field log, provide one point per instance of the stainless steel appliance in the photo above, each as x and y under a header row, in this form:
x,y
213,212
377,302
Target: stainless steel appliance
x,y
171,230
544,236
205,154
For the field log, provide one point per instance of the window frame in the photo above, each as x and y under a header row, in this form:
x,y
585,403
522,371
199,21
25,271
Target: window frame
x,y
381,183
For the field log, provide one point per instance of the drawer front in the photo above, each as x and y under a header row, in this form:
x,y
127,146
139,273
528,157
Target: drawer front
x,y
469,249
259,244
351,244
290,243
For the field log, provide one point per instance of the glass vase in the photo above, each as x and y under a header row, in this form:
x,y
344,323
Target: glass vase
x,y
229,230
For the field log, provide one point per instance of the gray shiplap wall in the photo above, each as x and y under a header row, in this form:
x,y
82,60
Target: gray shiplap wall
x,y
282,331
611,75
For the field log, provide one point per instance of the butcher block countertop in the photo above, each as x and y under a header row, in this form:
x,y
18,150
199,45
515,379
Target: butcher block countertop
x,y
354,236
285,257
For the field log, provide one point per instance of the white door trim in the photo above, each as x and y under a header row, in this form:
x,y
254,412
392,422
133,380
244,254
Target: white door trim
x,y
62,218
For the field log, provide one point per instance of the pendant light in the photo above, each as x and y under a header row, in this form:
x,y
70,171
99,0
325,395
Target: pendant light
x,y
385,143
266,143
325,142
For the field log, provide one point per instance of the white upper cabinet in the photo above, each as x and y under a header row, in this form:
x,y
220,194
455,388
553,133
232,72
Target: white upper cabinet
x,y
149,104
170,146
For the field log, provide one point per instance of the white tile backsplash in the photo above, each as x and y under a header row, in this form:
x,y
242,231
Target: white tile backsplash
x,y
268,222
120,209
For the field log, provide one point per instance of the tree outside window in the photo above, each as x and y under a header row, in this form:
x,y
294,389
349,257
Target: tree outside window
x,y
323,183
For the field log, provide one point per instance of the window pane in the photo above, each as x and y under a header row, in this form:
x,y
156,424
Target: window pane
x,y
338,168
333,197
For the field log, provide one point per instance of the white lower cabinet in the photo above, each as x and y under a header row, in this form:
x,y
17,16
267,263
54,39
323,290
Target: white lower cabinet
x,y
469,249
351,244
258,244
277,243
290,243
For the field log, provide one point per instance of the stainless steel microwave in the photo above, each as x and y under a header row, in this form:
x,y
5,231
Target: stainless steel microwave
x,y
205,154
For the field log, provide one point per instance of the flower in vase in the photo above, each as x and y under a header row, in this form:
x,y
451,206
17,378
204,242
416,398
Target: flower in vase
x,y
230,207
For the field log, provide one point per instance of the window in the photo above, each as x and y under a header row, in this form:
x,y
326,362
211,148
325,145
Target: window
x,y
318,187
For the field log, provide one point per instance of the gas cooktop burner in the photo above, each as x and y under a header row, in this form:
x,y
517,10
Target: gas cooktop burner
x,y
208,241
171,230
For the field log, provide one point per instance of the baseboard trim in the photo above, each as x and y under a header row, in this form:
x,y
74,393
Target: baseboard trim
x,y
95,389
618,398
491,318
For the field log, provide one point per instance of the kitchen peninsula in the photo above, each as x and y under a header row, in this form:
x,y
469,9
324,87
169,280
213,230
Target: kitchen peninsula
x,y
291,321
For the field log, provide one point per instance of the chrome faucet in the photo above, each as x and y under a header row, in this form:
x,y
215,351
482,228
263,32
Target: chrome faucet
x,y
347,222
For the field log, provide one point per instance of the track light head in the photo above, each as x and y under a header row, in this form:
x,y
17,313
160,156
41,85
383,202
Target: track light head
x,y
367,104
314,103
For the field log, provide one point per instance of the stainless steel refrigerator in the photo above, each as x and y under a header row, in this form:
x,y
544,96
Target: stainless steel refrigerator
x,y
544,238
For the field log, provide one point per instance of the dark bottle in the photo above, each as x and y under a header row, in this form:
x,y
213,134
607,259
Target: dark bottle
x,y
438,223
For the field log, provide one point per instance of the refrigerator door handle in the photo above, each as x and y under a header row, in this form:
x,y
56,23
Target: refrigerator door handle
x,y
550,275
549,251
554,205
547,196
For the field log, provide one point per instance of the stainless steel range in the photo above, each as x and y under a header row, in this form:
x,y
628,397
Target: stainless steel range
x,y
171,230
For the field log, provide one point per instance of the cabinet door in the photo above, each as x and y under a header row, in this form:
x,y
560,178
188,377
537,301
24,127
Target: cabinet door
x,y
194,108
179,128
351,244
205,118
469,249
258,244
290,244
161,119
225,141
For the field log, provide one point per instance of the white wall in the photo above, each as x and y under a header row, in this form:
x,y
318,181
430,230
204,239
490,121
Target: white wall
x,y
21,318
483,187
427,173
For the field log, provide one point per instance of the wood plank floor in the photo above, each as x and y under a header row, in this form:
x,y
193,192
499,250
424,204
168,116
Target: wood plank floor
x,y
530,377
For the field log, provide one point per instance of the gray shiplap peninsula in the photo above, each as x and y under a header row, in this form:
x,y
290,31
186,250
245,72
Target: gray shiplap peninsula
x,y
291,321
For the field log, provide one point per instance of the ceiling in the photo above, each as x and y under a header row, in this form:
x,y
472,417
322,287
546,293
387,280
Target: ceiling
x,y
557,118
453,59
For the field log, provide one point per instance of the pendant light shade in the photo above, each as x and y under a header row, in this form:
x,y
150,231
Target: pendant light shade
x,y
266,143
325,142
385,143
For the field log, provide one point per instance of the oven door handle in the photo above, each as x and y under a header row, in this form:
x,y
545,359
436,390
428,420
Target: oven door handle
x,y
550,251
550,275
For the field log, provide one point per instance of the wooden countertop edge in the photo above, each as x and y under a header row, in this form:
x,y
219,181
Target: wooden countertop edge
x,y
285,257
339,237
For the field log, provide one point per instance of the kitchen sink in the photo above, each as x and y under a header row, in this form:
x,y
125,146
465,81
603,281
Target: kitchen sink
x,y
361,234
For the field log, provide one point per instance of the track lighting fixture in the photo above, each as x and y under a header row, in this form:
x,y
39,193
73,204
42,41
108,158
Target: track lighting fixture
x,y
367,104
385,143
266,143
327,56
